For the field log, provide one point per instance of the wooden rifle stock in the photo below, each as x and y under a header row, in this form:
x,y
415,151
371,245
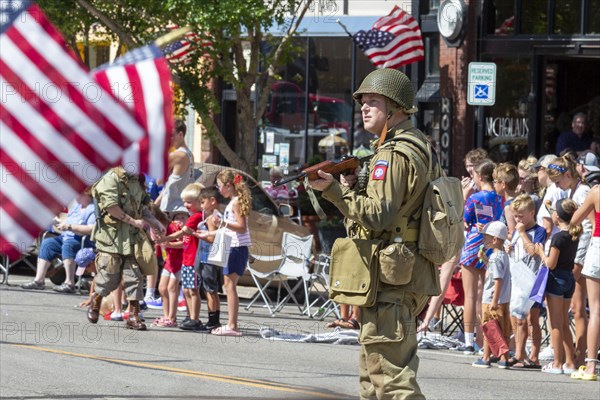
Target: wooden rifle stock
x,y
346,164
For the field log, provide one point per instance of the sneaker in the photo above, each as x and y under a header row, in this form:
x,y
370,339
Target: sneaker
x,y
504,364
209,327
494,359
143,305
191,325
481,363
154,304
181,305
33,285
466,350
64,288
547,354
114,316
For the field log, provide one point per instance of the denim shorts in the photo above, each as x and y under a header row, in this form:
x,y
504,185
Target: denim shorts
x,y
56,246
561,283
238,259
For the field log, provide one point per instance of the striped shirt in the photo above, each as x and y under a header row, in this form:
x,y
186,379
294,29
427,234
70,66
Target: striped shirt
x,y
237,239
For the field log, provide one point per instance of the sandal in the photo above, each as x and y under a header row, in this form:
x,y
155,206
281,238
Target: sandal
x,y
225,331
581,375
346,324
550,369
527,363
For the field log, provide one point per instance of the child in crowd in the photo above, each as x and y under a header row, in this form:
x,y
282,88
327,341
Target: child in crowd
x,y
506,180
522,250
528,180
212,276
189,274
496,289
231,186
561,285
171,272
564,175
481,207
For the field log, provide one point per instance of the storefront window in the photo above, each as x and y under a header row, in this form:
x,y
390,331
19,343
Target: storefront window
x,y
534,16
503,15
432,44
285,138
567,17
506,124
593,16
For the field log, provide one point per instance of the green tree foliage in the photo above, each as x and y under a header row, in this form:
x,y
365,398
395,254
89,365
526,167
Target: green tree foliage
x,y
242,54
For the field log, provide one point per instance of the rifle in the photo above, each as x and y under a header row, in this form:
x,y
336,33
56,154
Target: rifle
x,y
346,164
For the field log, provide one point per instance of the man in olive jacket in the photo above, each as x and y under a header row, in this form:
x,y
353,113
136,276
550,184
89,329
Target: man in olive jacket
x,y
389,208
123,215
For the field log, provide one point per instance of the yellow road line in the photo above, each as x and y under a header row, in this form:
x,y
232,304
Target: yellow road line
x,y
186,372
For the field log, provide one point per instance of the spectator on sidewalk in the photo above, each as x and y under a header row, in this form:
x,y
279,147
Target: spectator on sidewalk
x,y
79,222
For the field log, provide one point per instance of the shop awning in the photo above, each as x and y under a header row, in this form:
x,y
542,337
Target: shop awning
x,y
326,25
429,92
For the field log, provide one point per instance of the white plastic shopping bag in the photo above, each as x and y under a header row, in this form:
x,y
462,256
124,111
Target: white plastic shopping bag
x,y
522,280
220,249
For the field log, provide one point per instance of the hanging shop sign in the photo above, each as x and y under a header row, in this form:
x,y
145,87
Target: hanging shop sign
x,y
445,132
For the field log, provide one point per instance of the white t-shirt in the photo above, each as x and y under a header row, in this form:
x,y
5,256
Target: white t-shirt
x,y
553,194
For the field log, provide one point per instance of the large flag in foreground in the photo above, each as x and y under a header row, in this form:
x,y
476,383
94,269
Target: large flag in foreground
x,y
141,79
395,40
59,129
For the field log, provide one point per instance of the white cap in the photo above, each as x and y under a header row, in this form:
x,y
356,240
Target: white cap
x,y
496,229
589,161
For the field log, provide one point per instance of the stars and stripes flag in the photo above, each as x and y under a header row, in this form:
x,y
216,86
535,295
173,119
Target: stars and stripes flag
x,y
483,212
141,79
59,128
395,40
179,51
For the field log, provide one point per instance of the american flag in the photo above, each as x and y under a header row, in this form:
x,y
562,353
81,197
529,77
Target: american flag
x,y
141,79
483,212
60,130
179,51
395,40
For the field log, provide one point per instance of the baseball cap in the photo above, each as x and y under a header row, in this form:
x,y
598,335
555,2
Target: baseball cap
x,y
589,161
545,160
178,210
495,229
83,258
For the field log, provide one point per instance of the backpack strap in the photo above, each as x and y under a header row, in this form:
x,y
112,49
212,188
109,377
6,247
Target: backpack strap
x,y
414,149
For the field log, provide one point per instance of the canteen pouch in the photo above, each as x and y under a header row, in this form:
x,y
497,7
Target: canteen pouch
x,y
354,272
396,263
145,255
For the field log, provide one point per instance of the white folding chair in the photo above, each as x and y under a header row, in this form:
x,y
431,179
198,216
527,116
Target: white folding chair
x,y
295,253
329,306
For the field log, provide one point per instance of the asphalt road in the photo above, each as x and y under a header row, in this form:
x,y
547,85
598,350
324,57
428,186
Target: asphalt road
x,y
48,350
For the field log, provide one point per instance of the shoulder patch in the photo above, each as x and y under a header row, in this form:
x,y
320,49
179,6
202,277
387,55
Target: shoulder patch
x,y
379,170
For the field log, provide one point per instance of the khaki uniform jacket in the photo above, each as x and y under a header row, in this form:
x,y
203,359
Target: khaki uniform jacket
x,y
117,188
379,212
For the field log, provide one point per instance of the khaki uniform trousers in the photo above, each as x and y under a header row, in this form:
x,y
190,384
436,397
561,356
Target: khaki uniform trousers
x,y
388,359
112,269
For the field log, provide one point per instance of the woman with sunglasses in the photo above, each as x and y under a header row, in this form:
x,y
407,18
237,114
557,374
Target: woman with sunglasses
x,y
564,174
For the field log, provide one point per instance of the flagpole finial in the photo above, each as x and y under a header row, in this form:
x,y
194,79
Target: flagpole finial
x,y
172,36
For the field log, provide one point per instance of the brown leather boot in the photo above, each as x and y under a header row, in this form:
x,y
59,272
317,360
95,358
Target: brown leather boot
x,y
134,322
94,308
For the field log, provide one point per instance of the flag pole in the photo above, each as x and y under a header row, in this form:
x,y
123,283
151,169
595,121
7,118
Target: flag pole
x,y
172,36
343,27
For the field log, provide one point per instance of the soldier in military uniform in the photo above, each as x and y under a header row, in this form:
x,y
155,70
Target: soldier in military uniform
x,y
388,362
122,216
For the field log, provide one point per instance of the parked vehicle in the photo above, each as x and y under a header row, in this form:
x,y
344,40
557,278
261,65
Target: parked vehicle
x,y
267,220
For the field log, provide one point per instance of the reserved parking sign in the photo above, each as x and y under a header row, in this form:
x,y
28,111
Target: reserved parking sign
x,y
481,84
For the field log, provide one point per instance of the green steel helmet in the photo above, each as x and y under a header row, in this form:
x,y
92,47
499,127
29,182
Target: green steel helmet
x,y
392,84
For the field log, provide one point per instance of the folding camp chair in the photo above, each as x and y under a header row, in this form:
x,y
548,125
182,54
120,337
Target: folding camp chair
x,y
323,263
26,258
295,253
451,315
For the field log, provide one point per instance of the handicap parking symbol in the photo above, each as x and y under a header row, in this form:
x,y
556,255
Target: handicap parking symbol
x,y
482,92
